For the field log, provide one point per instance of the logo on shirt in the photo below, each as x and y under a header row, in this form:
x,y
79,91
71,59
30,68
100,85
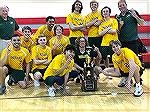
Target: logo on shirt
x,y
11,22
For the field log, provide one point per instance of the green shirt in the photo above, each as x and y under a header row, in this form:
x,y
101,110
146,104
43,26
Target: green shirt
x,y
7,28
129,30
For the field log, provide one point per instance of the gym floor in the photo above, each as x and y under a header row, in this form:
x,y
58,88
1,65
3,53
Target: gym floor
x,y
109,98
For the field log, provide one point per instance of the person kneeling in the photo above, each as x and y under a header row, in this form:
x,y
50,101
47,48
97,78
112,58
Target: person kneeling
x,y
12,62
58,70
126,64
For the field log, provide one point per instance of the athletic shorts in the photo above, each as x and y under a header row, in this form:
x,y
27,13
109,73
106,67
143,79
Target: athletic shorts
x,y
127,74
17,75
50,80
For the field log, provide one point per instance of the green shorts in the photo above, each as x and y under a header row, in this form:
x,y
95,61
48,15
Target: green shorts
x,y
17,75
106,50
42,71
95,41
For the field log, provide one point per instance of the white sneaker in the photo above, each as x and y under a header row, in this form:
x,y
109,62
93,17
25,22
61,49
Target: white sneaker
x,y
123,81
36,83
138,90
51,91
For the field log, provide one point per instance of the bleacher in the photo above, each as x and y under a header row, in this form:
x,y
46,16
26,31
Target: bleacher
x,y
144,31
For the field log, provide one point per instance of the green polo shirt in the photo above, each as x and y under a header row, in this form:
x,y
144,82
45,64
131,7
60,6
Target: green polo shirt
x,y
7,28
129,30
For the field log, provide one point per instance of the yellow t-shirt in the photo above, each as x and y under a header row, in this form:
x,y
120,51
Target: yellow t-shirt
x,y
43,30
93,30
28,45
63,42
41,54
109,37
75,19
122,61
56,64
16,59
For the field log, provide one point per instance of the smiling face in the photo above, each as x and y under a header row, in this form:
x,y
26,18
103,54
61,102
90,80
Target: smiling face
x,y
27,34
42,41
122,6
77,6
94,6
59,31
50,23
82,43
105,13
4,12
69,54
116,48
16,41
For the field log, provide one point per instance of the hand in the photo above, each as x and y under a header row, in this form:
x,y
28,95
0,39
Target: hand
x,y
96,48
121,23
133,13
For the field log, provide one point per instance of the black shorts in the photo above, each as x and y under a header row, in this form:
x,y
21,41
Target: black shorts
x,y
17,75
127,74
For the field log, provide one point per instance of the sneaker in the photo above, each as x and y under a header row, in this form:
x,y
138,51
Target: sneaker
x,y
123,81
141,82
2,90
36,83
77,80
11,81
51,91
138,90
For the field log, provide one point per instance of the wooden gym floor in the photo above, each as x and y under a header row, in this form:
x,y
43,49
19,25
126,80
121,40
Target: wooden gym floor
x,y
31,100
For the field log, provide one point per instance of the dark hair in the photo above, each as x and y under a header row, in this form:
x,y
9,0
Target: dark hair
x,y
56,28
69,47
116,42
73,6
49,17
105,8
77,41
26,28
122,1
15,35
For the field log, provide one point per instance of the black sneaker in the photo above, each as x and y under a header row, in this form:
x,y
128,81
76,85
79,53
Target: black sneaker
x,y
11,81
2,90
77,80
141,82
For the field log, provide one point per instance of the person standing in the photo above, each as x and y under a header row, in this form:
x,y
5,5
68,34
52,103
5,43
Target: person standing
x,y
108,31
92,21
8,26
128,26
75,22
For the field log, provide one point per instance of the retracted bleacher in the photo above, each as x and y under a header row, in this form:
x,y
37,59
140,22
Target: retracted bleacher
x,y
144,31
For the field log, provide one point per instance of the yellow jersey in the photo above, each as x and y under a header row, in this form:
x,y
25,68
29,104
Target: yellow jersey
x,y
75,19
41,54
93,30
43,30
109,37
122,61
58,62
17,58
63,42
28,45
